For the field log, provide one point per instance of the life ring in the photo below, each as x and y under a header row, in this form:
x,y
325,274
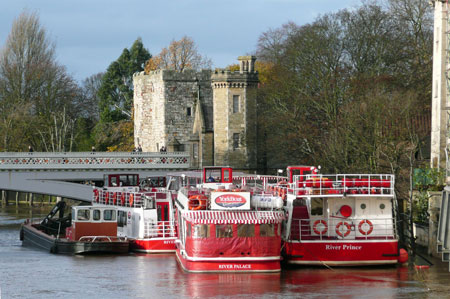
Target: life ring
x,y
106,197
340,233
122,198
131,199
282,193
325,227
96,195
197,202
360,228
114,197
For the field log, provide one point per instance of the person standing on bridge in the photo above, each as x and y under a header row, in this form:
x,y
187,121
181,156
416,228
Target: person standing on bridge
x,y
30,149
93,149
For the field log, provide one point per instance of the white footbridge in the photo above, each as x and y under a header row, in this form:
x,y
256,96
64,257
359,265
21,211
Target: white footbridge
x,y
63,174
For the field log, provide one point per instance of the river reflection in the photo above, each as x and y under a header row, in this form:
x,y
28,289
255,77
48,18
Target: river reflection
x,y
29,273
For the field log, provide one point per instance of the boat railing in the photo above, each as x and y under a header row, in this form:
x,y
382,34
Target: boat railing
x,y
128,199
337,185
93,239
159,229
343,229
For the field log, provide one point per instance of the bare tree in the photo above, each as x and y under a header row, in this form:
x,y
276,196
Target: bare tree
x,y
33,86
180,55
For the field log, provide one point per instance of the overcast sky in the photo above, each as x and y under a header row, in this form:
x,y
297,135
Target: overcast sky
x,y
90,34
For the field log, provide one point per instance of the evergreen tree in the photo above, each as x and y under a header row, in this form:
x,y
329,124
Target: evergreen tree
x,y
116,90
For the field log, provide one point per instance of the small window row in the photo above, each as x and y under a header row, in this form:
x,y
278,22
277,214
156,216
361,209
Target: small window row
x,y
95,215
226,230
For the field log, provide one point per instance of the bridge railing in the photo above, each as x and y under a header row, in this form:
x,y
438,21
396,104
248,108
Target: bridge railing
x,y
93,160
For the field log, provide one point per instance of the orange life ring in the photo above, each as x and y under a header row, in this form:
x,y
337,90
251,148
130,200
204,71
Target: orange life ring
x,y
197,202
115,199
325,227
106,197
363,231
340,233
131,199
96,195
282,193
122,198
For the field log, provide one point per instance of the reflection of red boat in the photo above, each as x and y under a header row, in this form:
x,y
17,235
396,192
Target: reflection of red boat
x,y
339,220
231,285
349,283
224,228
145,215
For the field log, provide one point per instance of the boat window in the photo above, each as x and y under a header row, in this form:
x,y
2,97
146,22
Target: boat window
x,y
83,214
114,181
317,206
96,215
200,231
121,219
246,230
188,230
266,230
109,215
224,231
226,175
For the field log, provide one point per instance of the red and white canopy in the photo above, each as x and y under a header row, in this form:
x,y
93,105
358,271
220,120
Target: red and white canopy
x,y
235,217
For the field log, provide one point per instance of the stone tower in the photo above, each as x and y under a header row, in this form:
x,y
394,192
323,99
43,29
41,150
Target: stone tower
x,y
165,102
234,115
440,92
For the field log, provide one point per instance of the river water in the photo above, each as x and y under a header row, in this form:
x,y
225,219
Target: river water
x,y
29,273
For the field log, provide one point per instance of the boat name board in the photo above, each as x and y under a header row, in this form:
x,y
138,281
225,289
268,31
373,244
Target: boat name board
x,y
344,247
235,266
230,200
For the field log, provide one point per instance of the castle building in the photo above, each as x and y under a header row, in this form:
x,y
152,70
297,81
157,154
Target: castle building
x,y
210,114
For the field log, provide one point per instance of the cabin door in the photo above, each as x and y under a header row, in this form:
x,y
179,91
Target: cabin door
x,y
163,211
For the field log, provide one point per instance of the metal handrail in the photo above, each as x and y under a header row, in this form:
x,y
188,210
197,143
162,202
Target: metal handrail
x,y
160,229
94,238
314,229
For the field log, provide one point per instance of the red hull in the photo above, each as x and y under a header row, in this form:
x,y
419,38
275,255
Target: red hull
x,y
352,253
154,245
221,265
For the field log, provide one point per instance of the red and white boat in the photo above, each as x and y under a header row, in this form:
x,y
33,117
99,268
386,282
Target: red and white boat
x,y
339,219
224,227
145,215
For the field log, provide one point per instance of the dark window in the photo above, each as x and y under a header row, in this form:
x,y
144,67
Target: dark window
x,y
317,206
121,219
188,111
84,215
246,230
224,231
235,104
266,230
96,215
200,231
235,140
109,215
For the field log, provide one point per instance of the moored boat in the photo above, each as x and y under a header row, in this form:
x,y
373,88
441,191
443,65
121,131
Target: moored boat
x,y
339,219
145,211
88,230
224,227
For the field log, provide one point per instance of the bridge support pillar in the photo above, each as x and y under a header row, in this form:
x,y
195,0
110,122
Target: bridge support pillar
x,y
17,199
4,198
30,197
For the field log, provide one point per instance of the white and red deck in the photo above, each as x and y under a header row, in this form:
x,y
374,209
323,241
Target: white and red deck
x,y
339,220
